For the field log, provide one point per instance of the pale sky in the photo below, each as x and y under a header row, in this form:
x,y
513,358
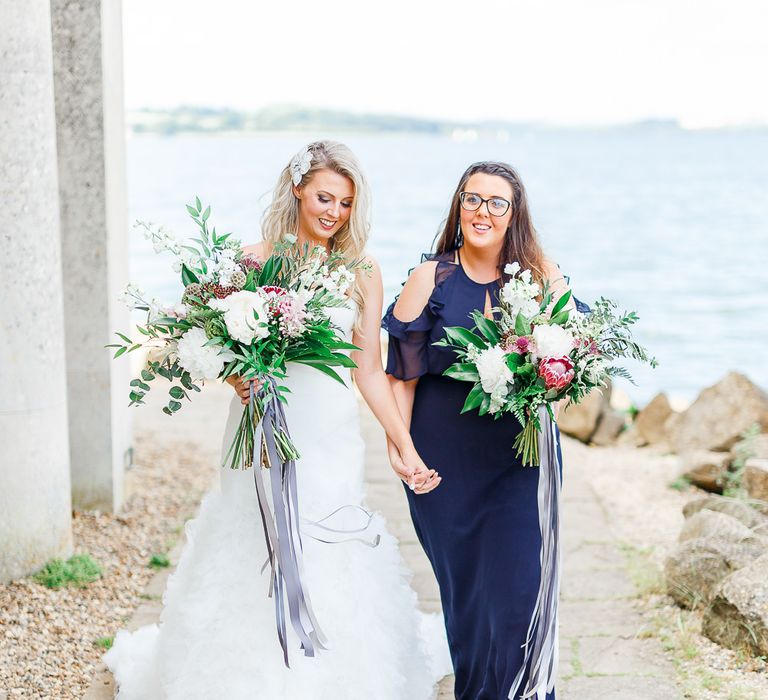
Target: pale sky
x,y
703,62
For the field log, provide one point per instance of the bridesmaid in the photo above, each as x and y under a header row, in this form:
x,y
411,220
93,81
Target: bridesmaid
x,y
480,529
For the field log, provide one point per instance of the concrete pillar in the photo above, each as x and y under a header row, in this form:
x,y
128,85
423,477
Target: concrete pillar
x,y
35,510
88,78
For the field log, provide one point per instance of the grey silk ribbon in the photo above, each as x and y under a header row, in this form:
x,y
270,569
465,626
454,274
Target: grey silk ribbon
x,y
541,646
281,530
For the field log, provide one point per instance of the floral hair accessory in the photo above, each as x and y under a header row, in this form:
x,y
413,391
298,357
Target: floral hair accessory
x,y
300,165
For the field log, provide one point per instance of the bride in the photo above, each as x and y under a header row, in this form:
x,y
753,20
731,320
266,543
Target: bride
x,y
216,637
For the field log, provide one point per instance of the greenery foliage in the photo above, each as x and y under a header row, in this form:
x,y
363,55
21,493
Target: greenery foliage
x,y
79,570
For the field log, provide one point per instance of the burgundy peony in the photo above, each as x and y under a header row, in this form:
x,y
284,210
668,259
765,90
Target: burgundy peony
x,y
557,372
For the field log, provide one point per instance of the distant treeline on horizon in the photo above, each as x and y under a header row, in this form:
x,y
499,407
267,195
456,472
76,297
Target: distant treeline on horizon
x,y
212,120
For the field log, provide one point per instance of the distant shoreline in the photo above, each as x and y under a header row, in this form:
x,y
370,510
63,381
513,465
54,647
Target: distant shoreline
x,y
201,120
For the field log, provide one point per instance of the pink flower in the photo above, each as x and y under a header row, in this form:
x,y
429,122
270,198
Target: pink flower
x,y
557,372
589,345
250,262
521,345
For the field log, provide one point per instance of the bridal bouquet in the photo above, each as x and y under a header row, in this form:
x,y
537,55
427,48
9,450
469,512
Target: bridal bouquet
x,y
239,315
538,353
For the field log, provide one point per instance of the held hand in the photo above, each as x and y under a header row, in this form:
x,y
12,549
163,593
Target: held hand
x,y
242,387
412,470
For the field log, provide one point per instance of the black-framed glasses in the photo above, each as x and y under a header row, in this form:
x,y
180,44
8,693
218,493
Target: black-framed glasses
x,y
497,206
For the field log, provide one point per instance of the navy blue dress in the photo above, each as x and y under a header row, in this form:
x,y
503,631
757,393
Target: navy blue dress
x,y
480,527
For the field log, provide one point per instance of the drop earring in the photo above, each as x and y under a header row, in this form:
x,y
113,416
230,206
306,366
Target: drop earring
x,y
459,237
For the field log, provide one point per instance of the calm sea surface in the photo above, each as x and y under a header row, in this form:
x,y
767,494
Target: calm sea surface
x,y
671,223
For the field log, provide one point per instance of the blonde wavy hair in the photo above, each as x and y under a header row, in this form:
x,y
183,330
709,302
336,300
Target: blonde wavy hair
x,y
282,215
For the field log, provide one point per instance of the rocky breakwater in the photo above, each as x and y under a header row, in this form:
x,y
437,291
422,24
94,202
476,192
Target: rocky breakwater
x,y
720,565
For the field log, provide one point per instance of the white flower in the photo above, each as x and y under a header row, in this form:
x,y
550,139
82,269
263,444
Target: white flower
x,y
552,341
245,315
495,376
517,303
519,294
201,361
300,165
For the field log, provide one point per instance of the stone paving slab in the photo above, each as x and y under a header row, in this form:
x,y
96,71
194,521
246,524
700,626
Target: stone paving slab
x,y
618,688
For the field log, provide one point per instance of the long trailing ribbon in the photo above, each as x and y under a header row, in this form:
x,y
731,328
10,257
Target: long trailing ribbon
x,y
541,645
281,531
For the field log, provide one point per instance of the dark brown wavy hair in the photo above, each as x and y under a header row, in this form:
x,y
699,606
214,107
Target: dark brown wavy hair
x,y
521,243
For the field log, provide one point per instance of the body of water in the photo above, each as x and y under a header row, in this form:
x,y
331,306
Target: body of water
x,y
671,223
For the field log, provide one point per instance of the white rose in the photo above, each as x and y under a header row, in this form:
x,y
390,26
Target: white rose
x,y
245,315
552,341
512,268
495,376
201,361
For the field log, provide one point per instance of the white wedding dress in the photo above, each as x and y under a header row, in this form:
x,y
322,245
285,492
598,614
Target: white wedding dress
x,y
217,638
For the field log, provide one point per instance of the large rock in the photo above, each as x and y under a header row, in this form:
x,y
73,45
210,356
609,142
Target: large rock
x,y
609,427
758,447
694,570
580,420
742,511
650,423
720,414
755,478
707,470
710,523
738,615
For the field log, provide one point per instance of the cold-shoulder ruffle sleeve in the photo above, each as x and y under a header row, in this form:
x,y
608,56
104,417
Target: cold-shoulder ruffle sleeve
x,y
407,355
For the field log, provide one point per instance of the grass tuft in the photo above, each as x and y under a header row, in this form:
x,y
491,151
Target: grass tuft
x,y
104,642
159,561
79,570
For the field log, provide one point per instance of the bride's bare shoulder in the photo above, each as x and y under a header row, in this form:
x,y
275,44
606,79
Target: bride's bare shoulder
x,y
257,250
